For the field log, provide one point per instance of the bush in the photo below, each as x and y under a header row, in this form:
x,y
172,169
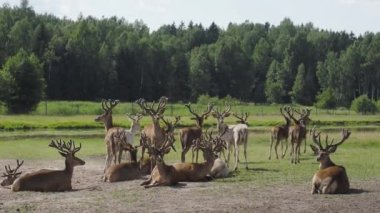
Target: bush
x,y
326,100
21,83
363,105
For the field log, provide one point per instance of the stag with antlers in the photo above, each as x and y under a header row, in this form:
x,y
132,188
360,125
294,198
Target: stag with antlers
x,y
189,134
330,178
297,132
46,180
11,175
153,131
280,134
234,135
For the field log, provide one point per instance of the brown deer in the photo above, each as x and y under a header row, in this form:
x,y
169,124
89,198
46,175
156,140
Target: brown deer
x,y
306,121
189,134
153,131
46,180
193,172
280,134
114,135
11,174
297,133
162,174
330,178
129,170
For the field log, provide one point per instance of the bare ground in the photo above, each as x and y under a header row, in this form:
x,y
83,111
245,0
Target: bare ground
x,y
92,195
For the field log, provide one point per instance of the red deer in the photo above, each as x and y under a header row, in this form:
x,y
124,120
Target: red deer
x,y
46,180
280,134
154,132
11,174
115,138
330,178
297,133
189,134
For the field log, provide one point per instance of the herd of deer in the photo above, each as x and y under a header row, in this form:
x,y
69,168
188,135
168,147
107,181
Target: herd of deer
x,y
158,141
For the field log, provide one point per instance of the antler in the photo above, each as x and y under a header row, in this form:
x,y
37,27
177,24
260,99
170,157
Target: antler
x,y
223,114
108,105
304,114
136,117
316,137
12,172
204,114
65,148
150,109
332,147
289,110
171,124
242,118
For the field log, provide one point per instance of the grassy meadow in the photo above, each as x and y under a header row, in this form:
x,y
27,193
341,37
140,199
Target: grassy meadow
x,y
27,137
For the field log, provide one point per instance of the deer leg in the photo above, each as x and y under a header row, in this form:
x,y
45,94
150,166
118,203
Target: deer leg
x,y
236,156
270,149
275,147
245,154
183,154
304,151
120,155
286,148
228,153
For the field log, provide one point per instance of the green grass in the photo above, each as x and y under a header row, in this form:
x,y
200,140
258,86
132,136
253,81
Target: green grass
x,y
359,154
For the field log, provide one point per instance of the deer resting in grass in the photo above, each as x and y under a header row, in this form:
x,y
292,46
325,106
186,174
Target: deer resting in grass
x,y
162,174
280,134
189,134
47,180
129,170
193,172
330,178
11,175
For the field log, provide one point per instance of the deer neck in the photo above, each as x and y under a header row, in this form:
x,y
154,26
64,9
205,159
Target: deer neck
x,y
69,168
134,128
326,163
108,124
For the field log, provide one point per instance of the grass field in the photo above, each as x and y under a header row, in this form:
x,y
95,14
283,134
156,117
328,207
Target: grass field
x,y
359,155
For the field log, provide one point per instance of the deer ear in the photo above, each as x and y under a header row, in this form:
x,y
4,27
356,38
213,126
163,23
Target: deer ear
x,y
332,149
214,115
314,148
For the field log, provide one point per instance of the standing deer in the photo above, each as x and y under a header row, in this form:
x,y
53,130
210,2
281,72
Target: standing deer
x,y
11,174
241,135
297,133
127,138
154,132
330,178
231,134
306,121
112,132
189,134
280,134
46,180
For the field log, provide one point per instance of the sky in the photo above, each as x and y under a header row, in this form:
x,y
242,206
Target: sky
x,y
357,16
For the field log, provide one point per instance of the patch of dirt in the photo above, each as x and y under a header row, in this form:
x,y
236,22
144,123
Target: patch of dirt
x,y
90,194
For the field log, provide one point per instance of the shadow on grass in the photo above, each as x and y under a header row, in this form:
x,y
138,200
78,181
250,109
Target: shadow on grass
x,y
358,191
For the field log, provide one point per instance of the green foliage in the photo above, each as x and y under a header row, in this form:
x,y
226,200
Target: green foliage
x,y
363,105
22,83
326,99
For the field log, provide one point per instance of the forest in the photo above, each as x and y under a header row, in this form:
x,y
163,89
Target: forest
x,y
45,57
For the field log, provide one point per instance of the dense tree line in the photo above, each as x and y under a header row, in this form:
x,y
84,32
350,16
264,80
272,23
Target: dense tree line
x,y
92,58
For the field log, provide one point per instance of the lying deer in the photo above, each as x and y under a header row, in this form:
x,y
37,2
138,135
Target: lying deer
x,y
130,170
280,134
193,172
162,174
11,174
330,178
46,180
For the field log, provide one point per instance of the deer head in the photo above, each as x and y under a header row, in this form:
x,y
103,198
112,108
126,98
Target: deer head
x,y
68,151
200,118
150,109
330,147
170,125
11,174
158,152
135,126
210,146
242,119
107,106
287,118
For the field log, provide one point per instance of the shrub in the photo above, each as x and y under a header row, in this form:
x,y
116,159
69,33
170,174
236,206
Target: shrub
x,y
326,100
363,105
